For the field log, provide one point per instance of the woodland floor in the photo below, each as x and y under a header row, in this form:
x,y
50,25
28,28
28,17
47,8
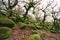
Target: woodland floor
x,y
20,34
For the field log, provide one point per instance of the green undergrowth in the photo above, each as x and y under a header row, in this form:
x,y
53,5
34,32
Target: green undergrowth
x,y
5,33
6,22
30,25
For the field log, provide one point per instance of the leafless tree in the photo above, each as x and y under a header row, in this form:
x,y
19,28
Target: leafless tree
x,y
44,10
30,4
56,21
8,5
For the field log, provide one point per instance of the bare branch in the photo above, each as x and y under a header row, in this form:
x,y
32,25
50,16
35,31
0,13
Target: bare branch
x,y
15,3
49,4
54,6
54,13
43,10
9,4
38,2
4,4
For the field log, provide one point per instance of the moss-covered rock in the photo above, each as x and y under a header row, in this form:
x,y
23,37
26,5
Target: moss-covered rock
x,y
7,22
5,33
33,37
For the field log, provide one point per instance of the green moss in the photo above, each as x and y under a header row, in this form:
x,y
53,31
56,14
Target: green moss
x,y
6,22
31,26
35,32
5,32
22,25
33,37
